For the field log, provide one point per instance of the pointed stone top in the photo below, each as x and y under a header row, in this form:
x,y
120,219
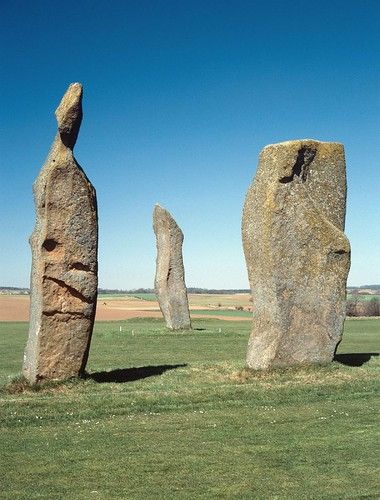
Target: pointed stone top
x,y
163,218
69,114
160,211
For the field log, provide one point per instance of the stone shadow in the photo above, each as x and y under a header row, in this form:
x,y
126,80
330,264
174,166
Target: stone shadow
x,y
122,375
354,358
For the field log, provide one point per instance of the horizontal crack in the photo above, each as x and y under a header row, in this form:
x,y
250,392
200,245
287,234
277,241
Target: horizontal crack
x,y
70,289
55,312
80,267
340,252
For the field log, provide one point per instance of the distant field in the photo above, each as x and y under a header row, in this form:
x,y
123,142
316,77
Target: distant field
x,y
121,307
222,312
174,415
144,296
112,296
195,299
363,297
219,300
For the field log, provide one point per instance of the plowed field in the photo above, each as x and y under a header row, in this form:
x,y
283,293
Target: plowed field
x,y
16,307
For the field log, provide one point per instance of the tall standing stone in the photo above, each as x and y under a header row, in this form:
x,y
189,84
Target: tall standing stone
x,y
170,274
297,255
64,256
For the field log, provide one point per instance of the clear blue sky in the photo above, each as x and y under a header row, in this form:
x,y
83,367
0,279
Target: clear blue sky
x,y
179,99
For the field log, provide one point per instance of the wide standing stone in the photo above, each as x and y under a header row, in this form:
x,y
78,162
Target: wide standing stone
x,y
64,256
297,255
170,274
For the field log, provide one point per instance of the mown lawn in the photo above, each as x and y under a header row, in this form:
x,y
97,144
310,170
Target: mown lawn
x,y
166,415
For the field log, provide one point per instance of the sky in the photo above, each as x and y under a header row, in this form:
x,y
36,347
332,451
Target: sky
x,y
179,99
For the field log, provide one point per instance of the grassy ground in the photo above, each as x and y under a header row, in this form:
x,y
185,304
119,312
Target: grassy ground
x,y
175,415
144,296
222,312
112,296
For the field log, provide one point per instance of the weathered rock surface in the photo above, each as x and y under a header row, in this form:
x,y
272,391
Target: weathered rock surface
x,y
170,274
64,256
297,255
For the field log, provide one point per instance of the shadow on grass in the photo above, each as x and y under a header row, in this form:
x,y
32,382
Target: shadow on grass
x,y
354,358
131,374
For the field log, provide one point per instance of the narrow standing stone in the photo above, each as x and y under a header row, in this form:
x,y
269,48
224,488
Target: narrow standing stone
x,y
64,256
170,274
297,255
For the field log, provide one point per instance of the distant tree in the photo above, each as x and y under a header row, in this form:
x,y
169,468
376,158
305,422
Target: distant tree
x,y
372,307
368,308
352,306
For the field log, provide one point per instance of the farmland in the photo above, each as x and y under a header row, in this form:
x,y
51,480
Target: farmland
x,y
121,307
175,414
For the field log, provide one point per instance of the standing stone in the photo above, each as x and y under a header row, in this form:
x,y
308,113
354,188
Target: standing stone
x,y
64,256
170,274
297,255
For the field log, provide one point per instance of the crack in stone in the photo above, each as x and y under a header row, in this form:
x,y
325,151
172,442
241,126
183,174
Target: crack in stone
x,y
70,289
56,312
301,167
80,267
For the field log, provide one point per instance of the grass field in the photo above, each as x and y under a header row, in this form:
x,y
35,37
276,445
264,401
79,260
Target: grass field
x,y
224,312
166,415
144,296
112,296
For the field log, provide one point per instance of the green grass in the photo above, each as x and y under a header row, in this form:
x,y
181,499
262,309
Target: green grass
x,y
151,297
111,296
207,429
222,312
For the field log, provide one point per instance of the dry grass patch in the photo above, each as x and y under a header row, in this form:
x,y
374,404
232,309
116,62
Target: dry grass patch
x,y
305,375
19,385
